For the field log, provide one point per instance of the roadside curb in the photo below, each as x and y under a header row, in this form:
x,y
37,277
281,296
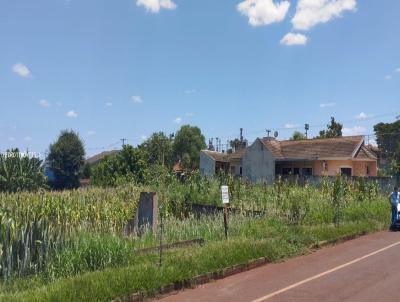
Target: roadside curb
x,y
195,281
223,273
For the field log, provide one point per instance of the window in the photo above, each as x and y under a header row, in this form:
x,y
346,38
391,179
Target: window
x,y
296,171
286,171
345,171
241,171
307,171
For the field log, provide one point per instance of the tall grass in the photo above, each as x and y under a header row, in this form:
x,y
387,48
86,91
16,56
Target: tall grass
x,y
33,225
59,234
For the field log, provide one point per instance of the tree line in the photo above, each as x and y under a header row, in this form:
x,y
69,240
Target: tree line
x,y
65,164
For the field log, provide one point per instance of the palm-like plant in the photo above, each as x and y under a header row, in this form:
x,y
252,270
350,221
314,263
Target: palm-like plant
x,y
20,173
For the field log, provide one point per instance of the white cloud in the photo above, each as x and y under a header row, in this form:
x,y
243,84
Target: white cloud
x,y
27,138
178,120
356,130
21,70
154,6
263,12
190,91
312,12
397,70
294,39
72,114
189,114
91,132
44,103
325,105
109,104
388,77
137,99
11,139
363,116
143,137
291,126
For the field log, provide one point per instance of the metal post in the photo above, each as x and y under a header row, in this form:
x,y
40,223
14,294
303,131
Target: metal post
x,y
226,221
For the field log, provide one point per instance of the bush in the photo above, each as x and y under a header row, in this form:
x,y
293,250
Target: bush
x,y
127,166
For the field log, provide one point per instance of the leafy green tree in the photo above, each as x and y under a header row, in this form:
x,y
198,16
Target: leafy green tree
x,y
65,160
298,136
334,129
86,171
188,143
20,172
159,149
128,165
388,140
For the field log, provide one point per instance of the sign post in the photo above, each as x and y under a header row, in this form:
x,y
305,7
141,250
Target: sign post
x,y
225,201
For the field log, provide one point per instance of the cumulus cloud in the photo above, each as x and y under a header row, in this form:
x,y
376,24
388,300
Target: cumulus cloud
x,y
356,130
109,104
91,132
312,12
178,120
72,114
362,116
44,103
397,70
137,99
27,138
263,12
388,77
294,39
143,137
189,114
325,105
154,6
291,126
21,70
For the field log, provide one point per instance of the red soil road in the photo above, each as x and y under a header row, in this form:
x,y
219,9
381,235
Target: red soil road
x,y
366,269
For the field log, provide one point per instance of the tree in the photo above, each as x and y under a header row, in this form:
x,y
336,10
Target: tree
x,y
187,145
158,148
298,136
128,165
388,140
65,160
20,172
334,129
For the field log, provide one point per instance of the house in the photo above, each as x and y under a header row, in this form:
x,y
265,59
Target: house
x,y
213,162
267,157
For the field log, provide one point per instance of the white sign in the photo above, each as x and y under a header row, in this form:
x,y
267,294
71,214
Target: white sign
x,y
225,194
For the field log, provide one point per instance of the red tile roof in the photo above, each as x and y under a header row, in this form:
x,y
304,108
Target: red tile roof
x,y
312,149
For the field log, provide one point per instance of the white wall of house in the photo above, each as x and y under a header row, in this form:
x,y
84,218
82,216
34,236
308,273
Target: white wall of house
x,y
258,163
207,165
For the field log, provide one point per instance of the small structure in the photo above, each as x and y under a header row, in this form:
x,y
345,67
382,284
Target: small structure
x,y
146,215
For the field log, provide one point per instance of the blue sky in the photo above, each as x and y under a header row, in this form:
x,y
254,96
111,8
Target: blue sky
x,y
127,68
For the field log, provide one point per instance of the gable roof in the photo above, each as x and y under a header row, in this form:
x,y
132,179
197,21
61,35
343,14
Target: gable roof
x,y
346,147
98,157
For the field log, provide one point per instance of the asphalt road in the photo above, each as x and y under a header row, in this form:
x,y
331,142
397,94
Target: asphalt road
x,y
361,270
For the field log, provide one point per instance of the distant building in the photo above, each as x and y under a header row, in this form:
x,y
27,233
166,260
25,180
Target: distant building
x,y
95,159
266,158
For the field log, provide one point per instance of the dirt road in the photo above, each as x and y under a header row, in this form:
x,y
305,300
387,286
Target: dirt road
x,y
362,270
